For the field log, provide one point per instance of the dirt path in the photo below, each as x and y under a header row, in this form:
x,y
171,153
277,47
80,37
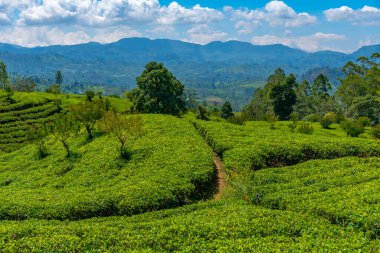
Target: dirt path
x,y
221,177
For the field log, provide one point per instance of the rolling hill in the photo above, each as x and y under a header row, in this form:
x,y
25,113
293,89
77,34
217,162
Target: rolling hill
x,y
231,70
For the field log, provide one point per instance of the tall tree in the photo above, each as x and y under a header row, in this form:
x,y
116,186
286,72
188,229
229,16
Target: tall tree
x,y
3,74
158,91
88,113
284,97
226,111
321,86
58,77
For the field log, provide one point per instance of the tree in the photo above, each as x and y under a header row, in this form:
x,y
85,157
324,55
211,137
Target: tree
x,y
122,128
158,91
25,84
328,120
226,111
38,135
352,127
63,128
202,113
87,114
321,86
90,95
366,106
3,74
58,77
283,96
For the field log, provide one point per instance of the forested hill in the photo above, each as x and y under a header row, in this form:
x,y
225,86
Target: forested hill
x,y
226,69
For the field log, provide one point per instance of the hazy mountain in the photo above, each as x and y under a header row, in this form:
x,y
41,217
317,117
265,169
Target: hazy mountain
x,y
227,69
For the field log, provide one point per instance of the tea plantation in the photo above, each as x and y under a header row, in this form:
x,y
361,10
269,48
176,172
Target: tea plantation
x,y
287,191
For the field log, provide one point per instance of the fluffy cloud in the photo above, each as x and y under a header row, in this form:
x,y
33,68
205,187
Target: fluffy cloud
x,y
177,14
203,34
364,16
44,36
111,12
311,43
275,13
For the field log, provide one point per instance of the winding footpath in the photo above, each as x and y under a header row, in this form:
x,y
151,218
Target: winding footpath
x,y
221,177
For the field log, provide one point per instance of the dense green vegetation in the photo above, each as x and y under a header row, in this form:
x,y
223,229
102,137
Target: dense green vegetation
x,y
255,145
308,184
344,191
96,182
207,227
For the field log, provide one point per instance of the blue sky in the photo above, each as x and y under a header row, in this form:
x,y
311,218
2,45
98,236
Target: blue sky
x,y
309,25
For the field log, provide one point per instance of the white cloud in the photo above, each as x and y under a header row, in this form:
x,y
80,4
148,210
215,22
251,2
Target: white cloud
x,y
4,19
203,34
275,13
312,43
177,14
45,36
111,12
365,16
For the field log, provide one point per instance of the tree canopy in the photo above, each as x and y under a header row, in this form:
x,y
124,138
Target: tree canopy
x,y
158,91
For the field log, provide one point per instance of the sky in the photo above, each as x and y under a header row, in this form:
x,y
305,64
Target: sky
x,y
310,25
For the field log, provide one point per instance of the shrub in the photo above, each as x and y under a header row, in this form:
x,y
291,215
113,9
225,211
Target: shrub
x,y
312,118
375,131
306,128
365,121
238,120
201,113
327,120
353,128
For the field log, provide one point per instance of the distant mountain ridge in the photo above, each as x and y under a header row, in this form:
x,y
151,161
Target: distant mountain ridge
x,y
216,69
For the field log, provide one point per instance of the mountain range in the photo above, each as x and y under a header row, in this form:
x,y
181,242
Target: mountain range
x,y
229,70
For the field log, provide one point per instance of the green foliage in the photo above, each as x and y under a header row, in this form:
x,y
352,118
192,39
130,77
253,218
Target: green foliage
x,y
352,127
38,134
328,120
54,89
25,85
254,146
226,110
312,118
375,131
58,77
201,113
3,75
87,114
90,94
284,97
321,86
364,121
305,128
171,165
366,106
122,128
343,191
158,91
63,127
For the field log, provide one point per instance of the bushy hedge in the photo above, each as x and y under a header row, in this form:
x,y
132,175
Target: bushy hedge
x,y
206,227
255,147
344,191
170,165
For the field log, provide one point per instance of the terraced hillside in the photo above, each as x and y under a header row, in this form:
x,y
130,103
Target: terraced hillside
x,y
22,110
16,116
286,192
